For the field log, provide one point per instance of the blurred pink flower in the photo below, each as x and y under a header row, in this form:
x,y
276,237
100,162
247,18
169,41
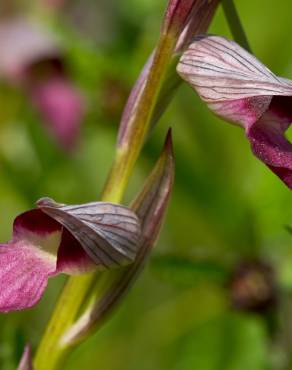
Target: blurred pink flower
x,y
31,57
61,107
55,238
240,89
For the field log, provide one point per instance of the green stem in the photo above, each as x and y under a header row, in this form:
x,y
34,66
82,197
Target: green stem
x,y
128,151
235,25
51,353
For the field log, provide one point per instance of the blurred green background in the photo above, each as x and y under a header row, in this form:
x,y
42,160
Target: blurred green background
x,y
226,207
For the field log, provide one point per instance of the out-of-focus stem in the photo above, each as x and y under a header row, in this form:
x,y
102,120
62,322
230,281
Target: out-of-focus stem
x,y
235,25
51,353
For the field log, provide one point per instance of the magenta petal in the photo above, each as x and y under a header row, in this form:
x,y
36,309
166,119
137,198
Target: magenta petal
x,y
24,273
62,108
44,232
268,141
72,258
28,260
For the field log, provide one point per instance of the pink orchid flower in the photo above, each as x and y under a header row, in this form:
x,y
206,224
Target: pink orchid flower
x,y
240,89
55,238
31,57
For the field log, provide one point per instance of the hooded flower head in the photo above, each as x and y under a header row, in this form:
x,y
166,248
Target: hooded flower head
x,y
55,238
150,205
240,89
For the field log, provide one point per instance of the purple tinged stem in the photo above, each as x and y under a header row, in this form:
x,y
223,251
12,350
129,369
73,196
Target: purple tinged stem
x,y
26,359
198,21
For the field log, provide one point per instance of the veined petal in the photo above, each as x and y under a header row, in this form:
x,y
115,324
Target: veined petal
x,y
220,70
109,233
28,260
240,89
56,238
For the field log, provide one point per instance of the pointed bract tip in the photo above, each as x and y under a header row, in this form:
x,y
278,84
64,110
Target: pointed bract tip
x,y
26,359
177,14
168,140
168,145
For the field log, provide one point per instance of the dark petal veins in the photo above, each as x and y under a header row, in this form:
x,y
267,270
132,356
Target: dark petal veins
x,y
109,233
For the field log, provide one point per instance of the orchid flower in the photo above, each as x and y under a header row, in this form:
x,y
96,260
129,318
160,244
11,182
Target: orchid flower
x,y
31,57
54,238
150,205
240,89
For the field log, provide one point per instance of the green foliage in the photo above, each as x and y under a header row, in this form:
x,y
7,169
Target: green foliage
x,y
187,272
231,342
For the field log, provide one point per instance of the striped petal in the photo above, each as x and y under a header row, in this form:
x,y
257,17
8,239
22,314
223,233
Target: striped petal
x,y
240,89
108,233
220,70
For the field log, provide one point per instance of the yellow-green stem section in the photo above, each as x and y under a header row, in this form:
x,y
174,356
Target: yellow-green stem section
x,y
51,354
128,151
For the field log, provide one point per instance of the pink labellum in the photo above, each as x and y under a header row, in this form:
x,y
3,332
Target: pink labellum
x,y
240,89
62,108
28,260
57,239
